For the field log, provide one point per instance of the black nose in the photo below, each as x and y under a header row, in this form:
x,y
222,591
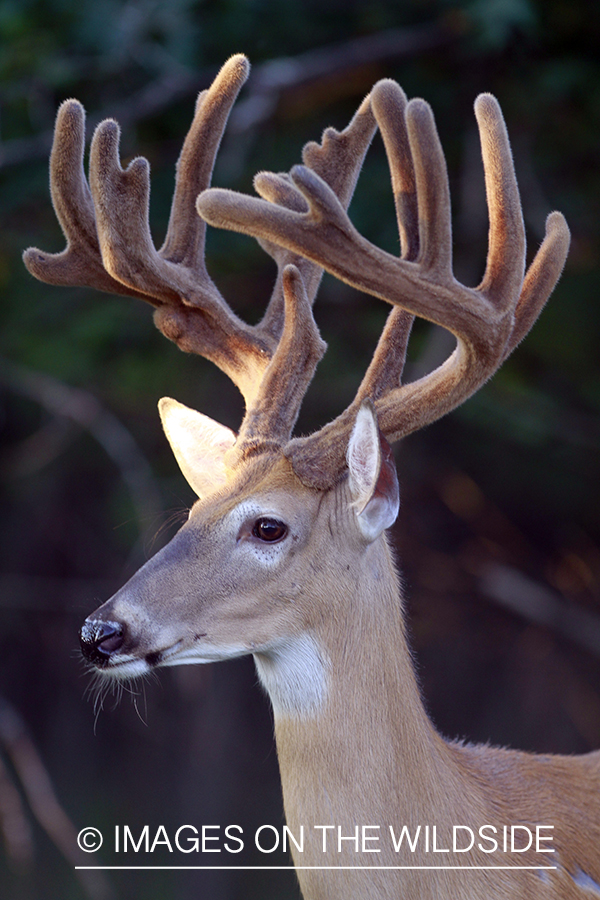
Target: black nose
x,y
99,640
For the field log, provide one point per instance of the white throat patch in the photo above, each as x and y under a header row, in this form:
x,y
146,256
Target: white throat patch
x,y
294,674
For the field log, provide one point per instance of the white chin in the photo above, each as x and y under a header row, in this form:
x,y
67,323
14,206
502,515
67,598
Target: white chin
x,y
128,667
190,656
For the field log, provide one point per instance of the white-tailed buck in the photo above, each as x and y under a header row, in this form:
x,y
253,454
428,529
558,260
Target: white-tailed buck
x,y
284,555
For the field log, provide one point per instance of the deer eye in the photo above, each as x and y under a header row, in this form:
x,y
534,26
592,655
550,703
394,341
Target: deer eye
x,y
269,530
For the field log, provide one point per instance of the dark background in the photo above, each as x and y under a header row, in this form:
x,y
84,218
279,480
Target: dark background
x,y
499,528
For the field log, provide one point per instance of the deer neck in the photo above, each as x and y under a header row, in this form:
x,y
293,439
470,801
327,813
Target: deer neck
x,y
361,750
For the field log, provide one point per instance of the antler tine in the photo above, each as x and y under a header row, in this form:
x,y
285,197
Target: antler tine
x,y
273,414
80,263
433,192
279,189
387,365
339,157
184,241
505,265
337,160
541,278
176,273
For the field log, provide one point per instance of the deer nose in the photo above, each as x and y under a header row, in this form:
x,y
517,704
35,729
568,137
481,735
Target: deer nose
x,y
100,639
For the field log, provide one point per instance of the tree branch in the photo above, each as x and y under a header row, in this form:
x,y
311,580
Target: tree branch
x,y
522,595
42,799
87,412
268,83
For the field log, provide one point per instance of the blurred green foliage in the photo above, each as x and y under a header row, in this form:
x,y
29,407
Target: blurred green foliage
x,y
524,451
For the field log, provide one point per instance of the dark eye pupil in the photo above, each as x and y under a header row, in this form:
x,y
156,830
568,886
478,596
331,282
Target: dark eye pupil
x,y
269,530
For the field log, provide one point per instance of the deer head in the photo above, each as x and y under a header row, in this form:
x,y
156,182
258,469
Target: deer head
x,y
280,520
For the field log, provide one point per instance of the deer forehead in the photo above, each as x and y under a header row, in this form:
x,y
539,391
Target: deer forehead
x,y
264,486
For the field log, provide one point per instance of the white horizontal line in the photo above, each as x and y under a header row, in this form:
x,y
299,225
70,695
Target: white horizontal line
x,y
294,868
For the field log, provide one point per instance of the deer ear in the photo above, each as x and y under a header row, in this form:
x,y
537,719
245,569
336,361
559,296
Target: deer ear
x,y
373,478
199,445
